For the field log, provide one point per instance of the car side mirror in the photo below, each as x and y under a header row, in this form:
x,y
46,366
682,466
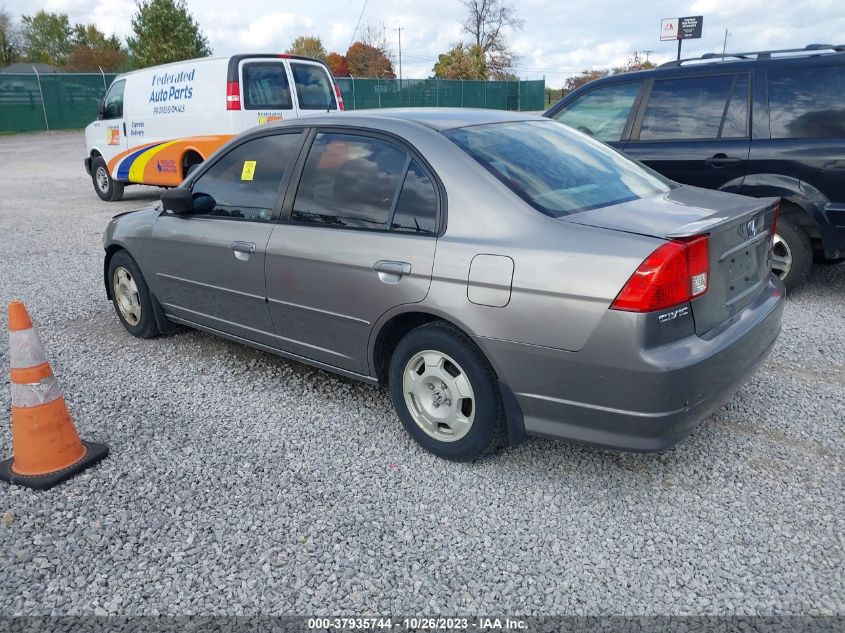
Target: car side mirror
x,y
178,201
101,108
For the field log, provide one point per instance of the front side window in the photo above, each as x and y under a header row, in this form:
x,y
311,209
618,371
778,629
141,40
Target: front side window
x,y
313,88
554,169
266,86
807,102
603,112
349,181
113,101
244,183
690,108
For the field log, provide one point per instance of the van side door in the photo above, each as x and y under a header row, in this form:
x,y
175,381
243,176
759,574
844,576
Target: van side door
x,y
112,124
266,94
695,129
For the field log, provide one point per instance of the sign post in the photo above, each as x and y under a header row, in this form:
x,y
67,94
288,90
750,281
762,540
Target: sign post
x,y
681,29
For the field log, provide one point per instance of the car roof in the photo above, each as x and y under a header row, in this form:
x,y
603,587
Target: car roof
x,y
434,118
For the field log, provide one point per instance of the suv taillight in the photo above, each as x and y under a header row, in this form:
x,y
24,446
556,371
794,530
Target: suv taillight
x,y
339,97
233,95
677,272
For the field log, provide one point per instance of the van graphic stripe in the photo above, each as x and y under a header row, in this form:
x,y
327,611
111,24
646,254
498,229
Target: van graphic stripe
x,y
136,171
126,163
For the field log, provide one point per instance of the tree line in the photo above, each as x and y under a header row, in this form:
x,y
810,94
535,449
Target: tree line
x,y
164,31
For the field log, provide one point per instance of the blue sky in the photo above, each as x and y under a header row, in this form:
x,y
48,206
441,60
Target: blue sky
x,y
558,38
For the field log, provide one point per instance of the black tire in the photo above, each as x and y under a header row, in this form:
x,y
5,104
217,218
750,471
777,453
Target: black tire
x,y
487,430
795,244
145,326
106,187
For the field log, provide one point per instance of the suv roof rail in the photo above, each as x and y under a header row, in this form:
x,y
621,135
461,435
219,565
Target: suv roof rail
x,y
758,55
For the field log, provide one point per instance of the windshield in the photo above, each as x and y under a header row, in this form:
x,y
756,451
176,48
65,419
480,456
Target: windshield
x,y
555,169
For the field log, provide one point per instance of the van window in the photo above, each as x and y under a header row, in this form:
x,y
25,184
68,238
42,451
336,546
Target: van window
x,y
603,112
687,108
244,183
266,86
349,181
113,101
313,88
807,102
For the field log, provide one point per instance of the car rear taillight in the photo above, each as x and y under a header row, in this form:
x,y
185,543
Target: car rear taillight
x,y
677,272
774,228
233,95
339,97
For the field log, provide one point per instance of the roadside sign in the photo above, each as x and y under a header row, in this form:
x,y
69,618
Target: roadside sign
x,y
687,28
680,29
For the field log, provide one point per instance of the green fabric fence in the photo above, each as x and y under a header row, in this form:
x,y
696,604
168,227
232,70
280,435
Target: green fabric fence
x,y
62,101
55,101
359,94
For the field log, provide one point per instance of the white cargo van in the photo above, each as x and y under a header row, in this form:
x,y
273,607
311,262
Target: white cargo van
x,y
154,124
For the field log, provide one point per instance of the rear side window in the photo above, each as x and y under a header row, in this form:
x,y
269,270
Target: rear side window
x,y
266,86
113,101
313,88
244,183
416,209
807,102
352,181
603,112
693,108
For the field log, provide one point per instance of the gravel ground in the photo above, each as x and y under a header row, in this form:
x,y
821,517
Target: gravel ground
x,y
243,483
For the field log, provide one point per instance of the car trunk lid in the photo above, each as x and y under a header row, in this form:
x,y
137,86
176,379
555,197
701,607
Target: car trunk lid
x,y
739,233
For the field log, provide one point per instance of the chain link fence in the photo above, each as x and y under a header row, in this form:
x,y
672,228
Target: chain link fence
x,y
55,101
359,94
63,101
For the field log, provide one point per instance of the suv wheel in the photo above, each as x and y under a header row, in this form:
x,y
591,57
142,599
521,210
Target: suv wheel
x,y
446,393
792,255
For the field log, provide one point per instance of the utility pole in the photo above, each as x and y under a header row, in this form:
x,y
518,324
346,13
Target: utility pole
x,y
725,45
647,53
399,30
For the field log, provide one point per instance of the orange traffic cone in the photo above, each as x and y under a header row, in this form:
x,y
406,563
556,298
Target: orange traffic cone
x,y
46,447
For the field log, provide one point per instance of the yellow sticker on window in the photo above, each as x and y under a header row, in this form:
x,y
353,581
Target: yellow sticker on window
x,y
249,170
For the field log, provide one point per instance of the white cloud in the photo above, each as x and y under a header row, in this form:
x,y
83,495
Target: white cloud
x,y
558,39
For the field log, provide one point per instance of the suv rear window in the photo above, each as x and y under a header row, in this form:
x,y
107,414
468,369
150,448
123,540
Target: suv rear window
x,y
807,102
694,108
555,169
313,88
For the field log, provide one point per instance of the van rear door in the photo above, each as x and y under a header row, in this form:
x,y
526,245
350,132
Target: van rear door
x,y
315,90
265,94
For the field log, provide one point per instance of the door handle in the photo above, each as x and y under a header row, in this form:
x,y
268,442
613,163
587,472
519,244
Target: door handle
x,y
720,160
391,272
243,250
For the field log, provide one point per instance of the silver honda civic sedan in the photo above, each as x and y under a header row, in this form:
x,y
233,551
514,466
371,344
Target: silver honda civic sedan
x,y
504,275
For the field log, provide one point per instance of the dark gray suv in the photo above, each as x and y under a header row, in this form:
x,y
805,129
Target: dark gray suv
x,y
768,123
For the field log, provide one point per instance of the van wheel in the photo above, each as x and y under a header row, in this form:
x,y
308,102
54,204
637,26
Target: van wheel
x,y
792,254
446,393
106,187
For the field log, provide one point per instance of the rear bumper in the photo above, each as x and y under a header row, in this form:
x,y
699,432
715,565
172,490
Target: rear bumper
x,y
88,165
619,393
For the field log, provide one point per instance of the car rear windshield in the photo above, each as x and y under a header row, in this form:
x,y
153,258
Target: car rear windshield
x,y
555,169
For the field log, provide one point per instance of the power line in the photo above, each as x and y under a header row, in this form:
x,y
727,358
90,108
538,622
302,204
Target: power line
x,y
357,24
